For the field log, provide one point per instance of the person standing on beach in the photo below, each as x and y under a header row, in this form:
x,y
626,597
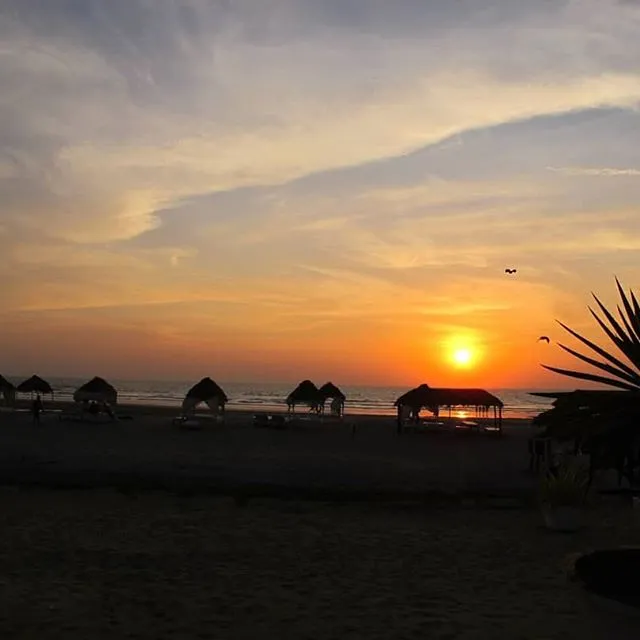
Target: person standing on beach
x,y
37,409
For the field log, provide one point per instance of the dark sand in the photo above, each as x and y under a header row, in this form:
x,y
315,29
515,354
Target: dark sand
x,y
98,564
306,457
137,564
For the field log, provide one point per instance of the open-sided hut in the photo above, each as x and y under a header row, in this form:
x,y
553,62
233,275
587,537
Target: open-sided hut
x,y
206,391
8,391
35,384
96,390
330,391
572,412
305,393
435,398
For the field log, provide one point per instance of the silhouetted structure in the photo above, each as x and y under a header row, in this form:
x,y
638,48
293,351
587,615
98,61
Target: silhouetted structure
x,y
8,391
305,393
96,390
206,391
330,391
35,384
432,399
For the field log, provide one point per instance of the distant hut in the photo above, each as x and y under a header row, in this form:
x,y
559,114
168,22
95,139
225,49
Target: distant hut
x,y
330,391
305,393
413,401
206,391
35,384
8,391
432,399
96,390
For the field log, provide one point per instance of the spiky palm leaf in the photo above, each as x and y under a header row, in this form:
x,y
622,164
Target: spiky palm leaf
x,y
625,335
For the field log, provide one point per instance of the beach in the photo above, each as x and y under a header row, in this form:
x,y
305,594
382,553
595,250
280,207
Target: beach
x,y
78,564
140,529
358,453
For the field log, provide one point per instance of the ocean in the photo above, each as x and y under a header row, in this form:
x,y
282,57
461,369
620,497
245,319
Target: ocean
x,y
271,396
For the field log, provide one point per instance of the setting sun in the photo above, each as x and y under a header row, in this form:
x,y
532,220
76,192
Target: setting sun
x,y
463,357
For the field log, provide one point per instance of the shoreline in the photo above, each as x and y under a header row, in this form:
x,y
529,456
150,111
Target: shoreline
x,y
143,408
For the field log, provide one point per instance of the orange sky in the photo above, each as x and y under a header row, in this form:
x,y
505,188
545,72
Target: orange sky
x,y
308,189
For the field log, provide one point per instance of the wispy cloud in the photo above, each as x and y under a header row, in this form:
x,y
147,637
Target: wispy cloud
x,y
595,171
251,165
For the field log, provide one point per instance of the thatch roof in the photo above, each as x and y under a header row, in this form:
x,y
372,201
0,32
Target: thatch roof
x,y
583,413
306,391
329,390
414,397
34,384
425,396
592,398
5,385
96,389
205,390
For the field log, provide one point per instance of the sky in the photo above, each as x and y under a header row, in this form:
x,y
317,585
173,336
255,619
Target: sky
x,y
326,189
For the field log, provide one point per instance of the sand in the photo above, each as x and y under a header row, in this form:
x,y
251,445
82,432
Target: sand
x,y
187,563
308,456
100,564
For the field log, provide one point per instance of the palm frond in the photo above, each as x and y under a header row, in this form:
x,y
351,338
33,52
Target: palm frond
x,y
593,378
632,378
629,329
633,317
599,350
624,347
612,321
623,333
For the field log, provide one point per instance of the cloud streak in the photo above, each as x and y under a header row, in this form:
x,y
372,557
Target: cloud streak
x,y
267,163
595,171
202,100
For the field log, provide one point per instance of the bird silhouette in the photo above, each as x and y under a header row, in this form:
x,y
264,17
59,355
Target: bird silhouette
x,y
544,339
510,270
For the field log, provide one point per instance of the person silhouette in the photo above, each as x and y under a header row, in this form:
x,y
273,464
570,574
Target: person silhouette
x,y
36,409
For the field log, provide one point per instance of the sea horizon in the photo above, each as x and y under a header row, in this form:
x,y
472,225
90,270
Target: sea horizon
x,y
270,396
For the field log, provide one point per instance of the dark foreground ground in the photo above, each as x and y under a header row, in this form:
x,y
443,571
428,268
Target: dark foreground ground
x,y
98,564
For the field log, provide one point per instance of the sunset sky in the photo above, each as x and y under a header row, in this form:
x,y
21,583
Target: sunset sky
x,y
281,189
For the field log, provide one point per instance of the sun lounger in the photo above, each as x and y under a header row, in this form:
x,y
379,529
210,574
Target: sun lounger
x,y
83,416
187,422
273,421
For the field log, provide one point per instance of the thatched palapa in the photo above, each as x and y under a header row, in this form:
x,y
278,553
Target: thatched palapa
x,y
305,393
330,391
96,390
415,398
594,399
581,413
432,398
8,391
206,391
35,384
5,385
425,396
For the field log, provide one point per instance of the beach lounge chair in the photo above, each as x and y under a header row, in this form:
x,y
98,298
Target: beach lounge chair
x,y
187,422
266,420
261,420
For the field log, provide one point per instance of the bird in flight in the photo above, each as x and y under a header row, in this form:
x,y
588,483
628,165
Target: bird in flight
x,y
510,270
544,339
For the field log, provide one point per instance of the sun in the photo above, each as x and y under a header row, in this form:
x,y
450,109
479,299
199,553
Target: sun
x,y
462,357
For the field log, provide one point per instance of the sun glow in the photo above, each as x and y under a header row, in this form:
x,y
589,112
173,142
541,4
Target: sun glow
x,y
462,357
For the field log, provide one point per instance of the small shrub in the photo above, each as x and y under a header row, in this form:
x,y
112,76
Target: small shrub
x,y
565,486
